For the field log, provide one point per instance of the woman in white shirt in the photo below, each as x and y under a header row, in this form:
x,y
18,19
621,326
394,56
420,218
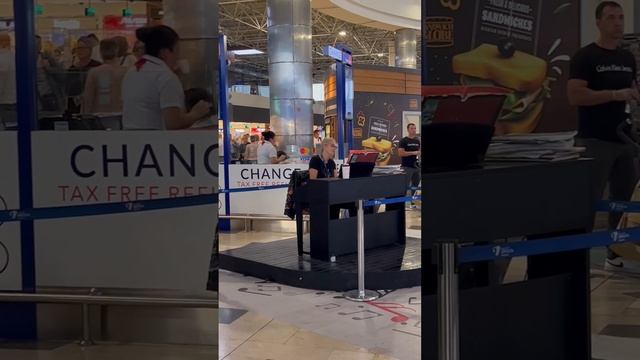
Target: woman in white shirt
x,y
153,97
267,152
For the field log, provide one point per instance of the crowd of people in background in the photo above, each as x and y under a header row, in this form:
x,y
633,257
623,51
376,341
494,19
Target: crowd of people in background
x,y
89,80
141,83
138,83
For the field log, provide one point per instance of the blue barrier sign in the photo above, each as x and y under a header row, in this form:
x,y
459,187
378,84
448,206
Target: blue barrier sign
x,y
547,246
106,208
618,206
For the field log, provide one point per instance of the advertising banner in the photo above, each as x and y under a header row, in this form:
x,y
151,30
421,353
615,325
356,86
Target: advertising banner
x,y
164,249
10,255
380,123
261,202
524,46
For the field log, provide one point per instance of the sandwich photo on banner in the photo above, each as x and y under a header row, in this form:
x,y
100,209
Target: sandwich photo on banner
x,y
378,123
523,46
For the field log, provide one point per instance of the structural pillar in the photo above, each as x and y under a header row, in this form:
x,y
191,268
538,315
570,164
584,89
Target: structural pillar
x,y
392,54
290,74
196,22
406,48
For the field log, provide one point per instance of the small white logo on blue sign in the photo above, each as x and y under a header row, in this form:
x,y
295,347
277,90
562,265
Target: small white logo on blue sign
x,y
134,206
620,236
503,251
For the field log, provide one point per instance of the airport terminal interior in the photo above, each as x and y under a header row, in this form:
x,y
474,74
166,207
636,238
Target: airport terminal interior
x,y
276,296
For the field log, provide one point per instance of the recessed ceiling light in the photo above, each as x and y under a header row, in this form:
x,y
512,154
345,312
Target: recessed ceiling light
x,y
342,33
380,54
247,52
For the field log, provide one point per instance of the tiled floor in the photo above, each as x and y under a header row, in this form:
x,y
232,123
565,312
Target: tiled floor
x,y
389,326
269,328
253,336
615,319
615,308
275,328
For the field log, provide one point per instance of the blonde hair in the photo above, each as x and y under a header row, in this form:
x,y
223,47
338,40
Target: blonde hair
x,y
327,141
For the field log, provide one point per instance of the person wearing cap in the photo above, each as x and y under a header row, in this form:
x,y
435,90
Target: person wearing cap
x,y
317,140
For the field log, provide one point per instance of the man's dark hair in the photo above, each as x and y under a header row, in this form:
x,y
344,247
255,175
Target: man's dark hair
x,y
268,135
603,5
409,125
156,38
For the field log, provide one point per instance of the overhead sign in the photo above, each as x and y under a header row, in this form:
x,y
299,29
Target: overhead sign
x,y
333,52
66,24
338,54
347,58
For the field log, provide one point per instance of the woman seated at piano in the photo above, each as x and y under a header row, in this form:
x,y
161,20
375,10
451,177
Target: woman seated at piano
x,y
322,166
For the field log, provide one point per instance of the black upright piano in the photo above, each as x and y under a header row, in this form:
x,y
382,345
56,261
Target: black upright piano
x,y
334,237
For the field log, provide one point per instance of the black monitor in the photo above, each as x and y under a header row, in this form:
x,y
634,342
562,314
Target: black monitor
x,y
458,124
361,163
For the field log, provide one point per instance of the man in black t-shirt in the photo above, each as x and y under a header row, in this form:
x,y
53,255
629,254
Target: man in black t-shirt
x,y
409,150
602,81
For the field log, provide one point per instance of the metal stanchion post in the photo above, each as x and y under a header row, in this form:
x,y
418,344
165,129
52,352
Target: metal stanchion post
x,y
448,302
86,327
361,295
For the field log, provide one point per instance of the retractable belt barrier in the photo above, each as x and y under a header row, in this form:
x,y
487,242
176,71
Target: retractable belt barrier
x,y
618,206
451,254
61,212
467,254
547,246
396,200
106,208
257,188
199,200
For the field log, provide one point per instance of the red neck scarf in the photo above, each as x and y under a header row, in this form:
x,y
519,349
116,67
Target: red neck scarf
x,y
140,63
